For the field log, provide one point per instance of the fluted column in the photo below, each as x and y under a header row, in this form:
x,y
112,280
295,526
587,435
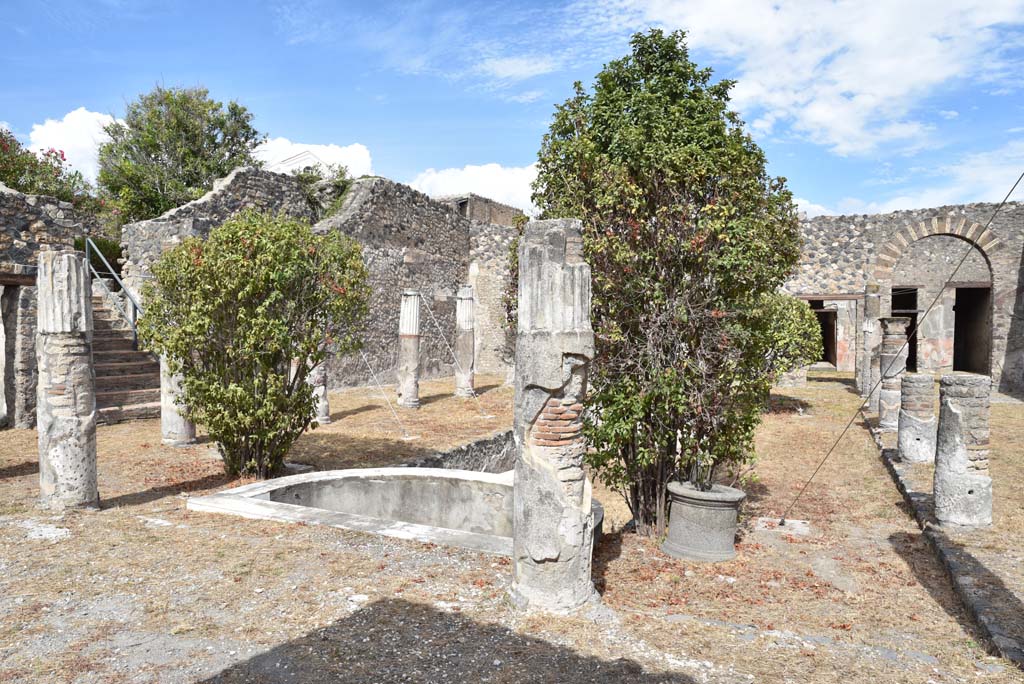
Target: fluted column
x,y
465,348
66,389
409,350
176,429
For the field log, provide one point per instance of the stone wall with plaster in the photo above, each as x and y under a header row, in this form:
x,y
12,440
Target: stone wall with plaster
x,y
849,255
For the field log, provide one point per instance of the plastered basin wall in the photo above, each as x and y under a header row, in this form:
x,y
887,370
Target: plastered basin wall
x,y
454,499
464,508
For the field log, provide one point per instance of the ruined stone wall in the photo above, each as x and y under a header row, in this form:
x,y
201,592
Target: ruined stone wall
x,y
489,274
926,265
484,210
409,242
845,255
145,241
28,224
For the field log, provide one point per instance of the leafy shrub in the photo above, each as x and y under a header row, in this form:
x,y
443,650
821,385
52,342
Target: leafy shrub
x,y
232,313
689,240
111,250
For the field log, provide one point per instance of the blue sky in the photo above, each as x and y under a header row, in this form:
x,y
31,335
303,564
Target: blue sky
x,y
862,106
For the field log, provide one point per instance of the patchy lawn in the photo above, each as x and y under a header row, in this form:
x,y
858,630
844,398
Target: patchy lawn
x,y
144,591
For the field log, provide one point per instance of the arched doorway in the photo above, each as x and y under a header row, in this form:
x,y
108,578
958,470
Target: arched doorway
x,y
956,334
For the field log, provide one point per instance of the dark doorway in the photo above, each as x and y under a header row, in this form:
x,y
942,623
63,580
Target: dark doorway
x,y
827,321
972,329
904,304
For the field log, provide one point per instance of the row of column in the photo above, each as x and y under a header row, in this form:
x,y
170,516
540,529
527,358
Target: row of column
x,y
409,347
957,441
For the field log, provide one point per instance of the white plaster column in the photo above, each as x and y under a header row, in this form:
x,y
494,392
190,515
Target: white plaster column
x,y
176,429
465,344
409,350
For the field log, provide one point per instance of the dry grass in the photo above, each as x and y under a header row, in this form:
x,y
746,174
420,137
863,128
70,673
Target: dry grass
x,y
364,432
144,591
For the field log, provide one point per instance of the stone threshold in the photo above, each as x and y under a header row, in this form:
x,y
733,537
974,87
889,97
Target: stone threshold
x,y
955,560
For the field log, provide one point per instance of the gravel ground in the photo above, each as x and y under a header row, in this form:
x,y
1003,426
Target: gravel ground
x,y
145,591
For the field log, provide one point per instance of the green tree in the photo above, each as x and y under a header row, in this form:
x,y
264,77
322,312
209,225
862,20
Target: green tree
x,y
45,174
171,146
233,312
689,240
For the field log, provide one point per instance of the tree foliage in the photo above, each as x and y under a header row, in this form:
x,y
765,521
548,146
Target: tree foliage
x,y
233,312
45,174
689,240
171,146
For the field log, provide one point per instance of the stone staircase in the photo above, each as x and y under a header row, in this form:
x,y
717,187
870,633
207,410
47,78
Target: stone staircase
x,y
127,381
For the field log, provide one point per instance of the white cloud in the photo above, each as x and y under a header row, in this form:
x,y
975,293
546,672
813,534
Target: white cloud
x,y
525,97
507,184
516,68
812,209
845,74
356,157
79,134
4,126
977,177
949,113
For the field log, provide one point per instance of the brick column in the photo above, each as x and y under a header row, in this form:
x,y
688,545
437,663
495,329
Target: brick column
x,y
962,486
867,370
892,364
465,344
916,438
66,390
409,350
553,523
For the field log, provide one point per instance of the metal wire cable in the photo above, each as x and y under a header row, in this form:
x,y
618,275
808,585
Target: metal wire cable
x,y
912,331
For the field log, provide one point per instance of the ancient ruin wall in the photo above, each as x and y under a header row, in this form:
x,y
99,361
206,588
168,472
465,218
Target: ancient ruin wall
x,y
145,241
29,224
845,255
490,256
410,242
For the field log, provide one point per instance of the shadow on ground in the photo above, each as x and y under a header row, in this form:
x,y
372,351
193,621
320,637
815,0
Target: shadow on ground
x,y
400,641
607,552
782,403
20,470
201,484
997,598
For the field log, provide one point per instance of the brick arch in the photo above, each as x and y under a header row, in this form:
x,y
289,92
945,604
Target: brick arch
x,y
890,253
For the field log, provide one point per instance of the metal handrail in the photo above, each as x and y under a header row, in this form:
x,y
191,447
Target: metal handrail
x,y
136,310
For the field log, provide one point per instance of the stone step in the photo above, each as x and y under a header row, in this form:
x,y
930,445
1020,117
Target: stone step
x,y
112,343
112,332
128,381
105,399
120,356
144,364
117,414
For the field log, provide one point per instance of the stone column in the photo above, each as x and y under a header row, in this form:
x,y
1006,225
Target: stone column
x,y
962,486
318,379
465,344
916,438
552,520
409,350
869,372
66,390
892,363
175,428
